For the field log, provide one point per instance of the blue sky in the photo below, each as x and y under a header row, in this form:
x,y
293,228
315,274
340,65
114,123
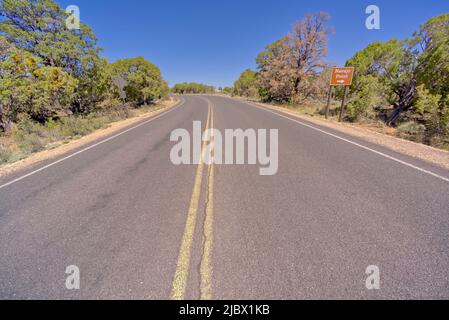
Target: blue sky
x,y
214,41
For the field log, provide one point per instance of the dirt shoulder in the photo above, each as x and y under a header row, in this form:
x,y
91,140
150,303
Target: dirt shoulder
x,y
378,135
114,127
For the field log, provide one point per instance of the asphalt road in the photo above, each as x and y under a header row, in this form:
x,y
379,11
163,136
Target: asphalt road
x,y
140,227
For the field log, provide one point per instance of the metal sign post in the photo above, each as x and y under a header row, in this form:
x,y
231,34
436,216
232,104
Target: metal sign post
x,y
329,98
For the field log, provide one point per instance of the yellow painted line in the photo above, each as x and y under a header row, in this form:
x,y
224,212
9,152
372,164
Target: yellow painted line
x,y
206,260
182,269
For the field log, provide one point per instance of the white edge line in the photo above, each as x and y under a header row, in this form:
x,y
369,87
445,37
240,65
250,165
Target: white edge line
x,y
353,143
91,147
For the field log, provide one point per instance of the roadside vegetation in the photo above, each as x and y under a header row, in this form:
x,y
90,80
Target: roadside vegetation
x,y
54,84
403,84
192,88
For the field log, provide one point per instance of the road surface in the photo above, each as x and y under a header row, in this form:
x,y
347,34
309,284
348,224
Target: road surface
x,y
139,227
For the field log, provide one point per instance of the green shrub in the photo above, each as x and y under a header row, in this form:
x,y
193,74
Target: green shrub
x,y
412,128
5,154
32,143
366,98
30,136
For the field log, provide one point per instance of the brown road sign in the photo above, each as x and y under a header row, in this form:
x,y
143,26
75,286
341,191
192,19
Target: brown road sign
x,y
342,76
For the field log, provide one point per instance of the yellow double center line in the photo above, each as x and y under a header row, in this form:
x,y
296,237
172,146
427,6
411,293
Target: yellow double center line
x,y
206,263
182,269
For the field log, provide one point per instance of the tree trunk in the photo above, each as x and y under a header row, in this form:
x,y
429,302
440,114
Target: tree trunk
x,y
297,83
5,123
2,121
405,102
